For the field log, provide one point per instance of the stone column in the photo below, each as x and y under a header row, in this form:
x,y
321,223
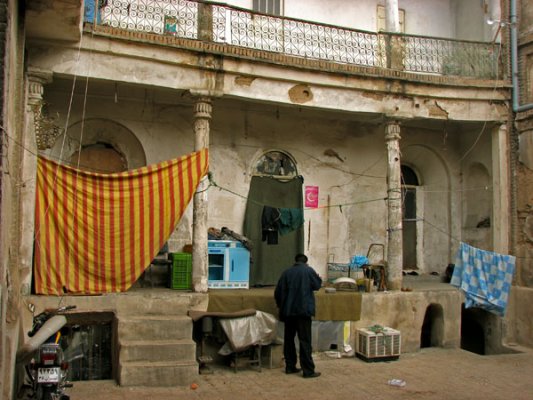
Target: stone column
x,y
394,207
201,120
34,103
501,184
205,22
394,43
392,16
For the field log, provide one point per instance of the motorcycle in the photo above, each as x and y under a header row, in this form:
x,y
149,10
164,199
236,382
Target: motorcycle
x,y
45,362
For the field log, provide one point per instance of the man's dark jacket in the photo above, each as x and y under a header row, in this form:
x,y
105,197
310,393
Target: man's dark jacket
x,y
294,291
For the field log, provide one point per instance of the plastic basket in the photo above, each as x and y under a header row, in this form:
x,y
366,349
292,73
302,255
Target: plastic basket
x,y
337,270
181,274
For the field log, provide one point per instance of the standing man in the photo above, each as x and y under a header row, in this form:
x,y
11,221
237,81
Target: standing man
x,y
296,303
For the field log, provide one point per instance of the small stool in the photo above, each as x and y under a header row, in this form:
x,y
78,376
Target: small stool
x,y
250,356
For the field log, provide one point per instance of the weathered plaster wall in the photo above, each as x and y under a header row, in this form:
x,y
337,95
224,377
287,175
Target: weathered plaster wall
x,y
406,312
519,321
306,137
54,20
12,131
471,17
184,70
304,113
353,184
475,159
435,196
358,16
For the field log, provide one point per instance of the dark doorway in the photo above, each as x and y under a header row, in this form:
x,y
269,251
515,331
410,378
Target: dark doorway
x,y
433,327
482,332
409,217
472,332
88,341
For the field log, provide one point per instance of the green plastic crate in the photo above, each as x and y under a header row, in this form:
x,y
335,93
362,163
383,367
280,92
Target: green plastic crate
x,y
181,274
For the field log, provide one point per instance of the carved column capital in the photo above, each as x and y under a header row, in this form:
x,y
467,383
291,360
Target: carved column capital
x,y
203,107
36,81
46,130
202,113
392,131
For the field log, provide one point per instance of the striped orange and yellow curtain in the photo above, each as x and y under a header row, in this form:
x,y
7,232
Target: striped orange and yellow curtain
x,y
96,233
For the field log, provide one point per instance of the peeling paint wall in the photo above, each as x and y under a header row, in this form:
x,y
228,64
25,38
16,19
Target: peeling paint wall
x,y
344,155
12,109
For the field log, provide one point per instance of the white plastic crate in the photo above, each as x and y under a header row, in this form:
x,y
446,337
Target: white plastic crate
x,y
381,345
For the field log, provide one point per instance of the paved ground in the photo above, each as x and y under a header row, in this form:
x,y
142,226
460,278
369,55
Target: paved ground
x,y
432,373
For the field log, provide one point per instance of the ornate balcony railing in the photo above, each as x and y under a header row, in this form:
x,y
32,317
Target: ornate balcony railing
x,y
221,23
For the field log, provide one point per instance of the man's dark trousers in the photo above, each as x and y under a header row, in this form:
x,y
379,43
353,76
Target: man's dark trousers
x,y
300,326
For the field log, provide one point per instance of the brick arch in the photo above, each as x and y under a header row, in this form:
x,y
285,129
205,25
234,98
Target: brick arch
x,y
100,140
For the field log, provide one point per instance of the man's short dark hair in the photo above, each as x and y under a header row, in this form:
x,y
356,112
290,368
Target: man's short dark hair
x,y
300,258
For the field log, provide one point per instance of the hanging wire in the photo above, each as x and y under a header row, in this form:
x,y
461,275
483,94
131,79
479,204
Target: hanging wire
x,y
60,158
212,183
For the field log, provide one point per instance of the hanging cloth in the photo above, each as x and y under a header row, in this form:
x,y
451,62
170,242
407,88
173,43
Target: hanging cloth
x,y
270,224
485,277
270,261
96,233
290,219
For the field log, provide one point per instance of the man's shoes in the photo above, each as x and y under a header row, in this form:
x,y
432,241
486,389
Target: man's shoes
x,y
292,370
313,375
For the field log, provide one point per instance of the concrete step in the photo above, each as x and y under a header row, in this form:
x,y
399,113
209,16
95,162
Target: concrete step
x,y
157,374
161,350
154,327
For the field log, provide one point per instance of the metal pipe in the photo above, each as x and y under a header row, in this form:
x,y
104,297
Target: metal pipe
x,y
514,63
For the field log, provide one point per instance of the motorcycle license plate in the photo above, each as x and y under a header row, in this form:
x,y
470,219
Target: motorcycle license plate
x,y
48,375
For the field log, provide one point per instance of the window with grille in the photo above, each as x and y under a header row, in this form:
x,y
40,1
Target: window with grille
x,y
272,7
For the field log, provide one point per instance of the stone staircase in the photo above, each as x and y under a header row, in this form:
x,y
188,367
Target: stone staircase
x,y
155,346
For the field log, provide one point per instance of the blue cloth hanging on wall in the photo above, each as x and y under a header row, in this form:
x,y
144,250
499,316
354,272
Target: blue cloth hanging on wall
x,y
485,277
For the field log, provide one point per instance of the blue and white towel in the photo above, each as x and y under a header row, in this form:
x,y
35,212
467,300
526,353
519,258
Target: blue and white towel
x,y
485,277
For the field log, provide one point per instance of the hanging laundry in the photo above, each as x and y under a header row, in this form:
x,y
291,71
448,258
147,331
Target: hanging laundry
x,y
485,277
290,219
270,224
96,233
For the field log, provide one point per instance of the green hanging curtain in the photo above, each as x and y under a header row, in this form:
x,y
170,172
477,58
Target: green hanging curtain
x,y
270,260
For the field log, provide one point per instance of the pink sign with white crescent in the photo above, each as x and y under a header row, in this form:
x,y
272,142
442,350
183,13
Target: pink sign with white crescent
x,y
311,196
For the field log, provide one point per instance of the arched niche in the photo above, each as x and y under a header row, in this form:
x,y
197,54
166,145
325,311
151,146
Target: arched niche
x,y
434,198
432,333
276,163
95,139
